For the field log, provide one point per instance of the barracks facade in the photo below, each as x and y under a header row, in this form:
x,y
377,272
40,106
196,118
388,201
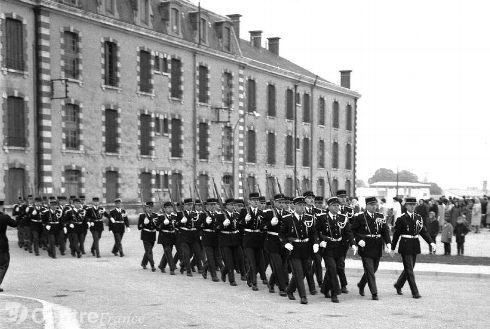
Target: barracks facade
x,y
126,98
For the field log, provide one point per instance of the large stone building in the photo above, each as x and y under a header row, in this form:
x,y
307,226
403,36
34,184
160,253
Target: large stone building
x,y
161,94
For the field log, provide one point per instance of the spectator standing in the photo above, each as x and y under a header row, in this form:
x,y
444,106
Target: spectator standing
x,y
432,229
446,237
383,208
460,231
423,210
454,212
441,214
476,214
484,205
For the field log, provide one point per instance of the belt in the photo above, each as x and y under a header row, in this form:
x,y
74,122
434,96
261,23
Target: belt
x,y
273,233
373,235
208,230
408,236
251,231
148,230
36,221
167,231
97,220
301,240
188,229
332,239
50,223
119,222
230,232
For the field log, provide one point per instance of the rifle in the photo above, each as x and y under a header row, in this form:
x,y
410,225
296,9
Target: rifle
x,y
244,188
279,185
258,188
172,200
160,200
271,198
329,186
199,196
220,201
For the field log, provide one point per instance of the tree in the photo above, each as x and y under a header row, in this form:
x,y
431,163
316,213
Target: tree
x,y
435,189
360,183
383,175
407,176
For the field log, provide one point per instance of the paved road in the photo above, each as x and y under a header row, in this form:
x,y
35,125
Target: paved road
x,y
114,292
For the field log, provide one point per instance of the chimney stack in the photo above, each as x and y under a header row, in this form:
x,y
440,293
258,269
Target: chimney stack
x,y
345,78
274,45
256,38
235,20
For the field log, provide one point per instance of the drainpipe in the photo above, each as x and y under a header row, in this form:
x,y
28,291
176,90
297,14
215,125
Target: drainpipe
x,y
312,130
37,101
294,139
194,118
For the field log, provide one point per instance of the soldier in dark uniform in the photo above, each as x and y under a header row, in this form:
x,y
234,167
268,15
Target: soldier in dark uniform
x,y
189,236
5,220
118,223
316,266
408,227
95,215
333,229
52,225
349,213
277,254
251,220
85,227
61,209
27,224
36,226
147,224
19,212
230,243
300,239
370,230
75,218
210,238
166,223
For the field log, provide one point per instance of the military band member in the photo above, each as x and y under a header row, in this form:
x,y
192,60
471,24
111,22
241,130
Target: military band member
x,y
300,239
167,236
333,229
36,226
147,224
95,215
189,236
51,220
348,211
118,223
5,220
408,227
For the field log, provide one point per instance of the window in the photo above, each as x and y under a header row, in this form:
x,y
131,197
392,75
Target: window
x,y
298,145
203,84
203,30
110,64
289,104
305,185
145,186
145,71
251,184
160,64
158,126
176,139
165,126
73,182
289,151
251,94
288,186
175,21
228,143
145,11
251,156
335,186
271,187
161,181
306,108
228,185
271,100
177,185
306,152
111,135
335,155
204,186
335,114
321,111
203,141
72,127
321,154
14,44
348,187
348,157
109,6
145,134
15,185
348,117
175,79
16,122
271,148
111,185
320,187
71,55
227,38
227,89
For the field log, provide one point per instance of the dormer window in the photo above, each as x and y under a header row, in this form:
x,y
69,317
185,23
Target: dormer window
x,y
203,30
227,38
175,21
145,11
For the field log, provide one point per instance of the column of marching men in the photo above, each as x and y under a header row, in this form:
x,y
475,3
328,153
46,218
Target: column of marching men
x,y
230,239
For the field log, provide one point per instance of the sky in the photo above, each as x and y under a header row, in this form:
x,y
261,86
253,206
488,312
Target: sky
x,y
422,68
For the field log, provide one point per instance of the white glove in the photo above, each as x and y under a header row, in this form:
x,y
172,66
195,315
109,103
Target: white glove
x,y
433,245
362,243
388,247
166,221
315,248
128,229
34,212
354,249
274,221
48,227
65,230
146,221
72,226
113,220
208,220
92,224
89,224
288,246
226,222
247,218
323,244
183,220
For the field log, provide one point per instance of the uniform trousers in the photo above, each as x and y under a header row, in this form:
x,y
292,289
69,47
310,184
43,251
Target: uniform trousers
x,y
35,240
4,264
187,250
299,267
27,238
279,274
118,243
407,274
341,271
52,244
148,255
255,259
167,257
233,257
331,280
370,267
96,235
75,243
317,268
213,259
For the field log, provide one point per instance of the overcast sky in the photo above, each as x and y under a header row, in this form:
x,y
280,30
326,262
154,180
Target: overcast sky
x,y
422,68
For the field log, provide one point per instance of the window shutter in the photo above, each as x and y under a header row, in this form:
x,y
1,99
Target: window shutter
x,y
14,44
145,71
16,125
145,134
111,145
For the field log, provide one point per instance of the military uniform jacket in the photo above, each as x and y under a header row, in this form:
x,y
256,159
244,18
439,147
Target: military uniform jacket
x,y
121,220
50,218
167,232
35,218
188,231
5,220
229,235
20,212
148,231
74,217
373,231
253,237
300,233
95,215
272,242
336,232
405,229
313,211
208,231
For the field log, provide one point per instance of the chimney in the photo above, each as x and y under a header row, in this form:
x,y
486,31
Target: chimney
x,y
274,45
235,20
345,78
256,38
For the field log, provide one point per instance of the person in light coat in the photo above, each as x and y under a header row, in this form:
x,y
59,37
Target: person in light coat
x,y
476,214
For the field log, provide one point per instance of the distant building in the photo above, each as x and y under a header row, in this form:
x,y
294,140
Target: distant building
x,y
388,190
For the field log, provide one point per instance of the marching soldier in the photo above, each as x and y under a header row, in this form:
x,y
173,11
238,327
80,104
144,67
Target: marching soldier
x,y
370,230
118,222
85,227
167,237
316,266
75,219
27,224
61,209
189,236
95,215
210,238
299,238
51,221
408,227
20,212
349,213
36,226
333,229
147,224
